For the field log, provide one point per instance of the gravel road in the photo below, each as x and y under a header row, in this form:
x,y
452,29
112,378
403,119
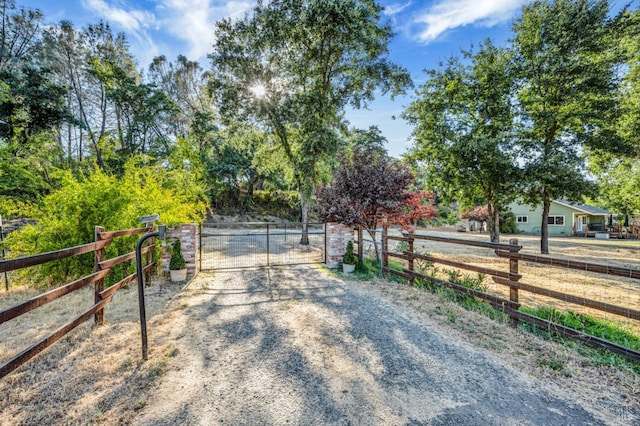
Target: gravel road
x,y
299,346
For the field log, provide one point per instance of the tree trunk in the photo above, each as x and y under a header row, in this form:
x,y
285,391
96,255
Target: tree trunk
x,y
372,234
493,223
544,228
305,205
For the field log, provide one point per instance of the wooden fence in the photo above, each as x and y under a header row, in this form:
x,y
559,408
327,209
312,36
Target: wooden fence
x,y
511,280
102,268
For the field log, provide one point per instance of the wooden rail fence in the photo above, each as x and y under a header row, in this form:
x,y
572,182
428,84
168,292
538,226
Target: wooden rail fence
x,y
511,279
102,268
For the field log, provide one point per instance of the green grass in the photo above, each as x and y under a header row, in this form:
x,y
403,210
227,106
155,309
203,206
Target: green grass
x,y
608,330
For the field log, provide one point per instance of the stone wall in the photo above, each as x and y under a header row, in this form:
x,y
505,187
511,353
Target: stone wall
x,y
189,239
337,237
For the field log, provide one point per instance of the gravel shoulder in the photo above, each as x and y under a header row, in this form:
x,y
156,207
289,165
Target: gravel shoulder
x,y
301,346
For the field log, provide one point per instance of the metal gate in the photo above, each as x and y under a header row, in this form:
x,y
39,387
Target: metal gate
x,y
245,245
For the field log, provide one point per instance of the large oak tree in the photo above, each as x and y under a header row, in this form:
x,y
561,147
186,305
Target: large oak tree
x,y
566,92
463,132
293,66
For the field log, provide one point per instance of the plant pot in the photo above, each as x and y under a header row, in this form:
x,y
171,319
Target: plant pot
x,y
348,269
178,275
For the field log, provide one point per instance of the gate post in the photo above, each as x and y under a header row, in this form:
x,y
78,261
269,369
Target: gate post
x,y
268,249
385,246
360,244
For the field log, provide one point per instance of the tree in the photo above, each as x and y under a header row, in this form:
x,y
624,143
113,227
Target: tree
x,y
31,107
618,176
565,92
292,66
464,128
419,206
184,82
366,187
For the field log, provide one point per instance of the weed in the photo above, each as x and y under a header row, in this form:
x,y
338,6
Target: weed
x,y
126,363
158,367
139,405
554,364
171,351
451,315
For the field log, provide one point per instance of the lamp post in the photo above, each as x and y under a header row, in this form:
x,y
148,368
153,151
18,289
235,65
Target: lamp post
x,y
143,316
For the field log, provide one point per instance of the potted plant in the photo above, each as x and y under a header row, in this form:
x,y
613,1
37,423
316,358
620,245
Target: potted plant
x,y
349,259
177,264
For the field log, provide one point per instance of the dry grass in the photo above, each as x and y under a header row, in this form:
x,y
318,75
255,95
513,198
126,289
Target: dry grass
x,y
93,375
611,289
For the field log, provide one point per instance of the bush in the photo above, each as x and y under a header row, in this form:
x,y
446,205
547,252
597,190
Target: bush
x,y
177,261
68,217
349,257
508,223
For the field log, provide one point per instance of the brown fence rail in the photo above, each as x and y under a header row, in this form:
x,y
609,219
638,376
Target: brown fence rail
x,y
103,297
511,279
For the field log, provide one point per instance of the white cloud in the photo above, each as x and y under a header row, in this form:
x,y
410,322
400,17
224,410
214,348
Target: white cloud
x,y
395,8
129,20
192,21
447,15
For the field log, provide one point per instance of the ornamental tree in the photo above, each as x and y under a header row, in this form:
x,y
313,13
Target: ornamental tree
x,y
368,186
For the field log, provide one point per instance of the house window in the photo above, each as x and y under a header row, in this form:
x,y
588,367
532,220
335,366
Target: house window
x,y
556,220
522,219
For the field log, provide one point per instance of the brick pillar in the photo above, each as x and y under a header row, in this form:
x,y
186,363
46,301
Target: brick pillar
x,y
189,240
337,237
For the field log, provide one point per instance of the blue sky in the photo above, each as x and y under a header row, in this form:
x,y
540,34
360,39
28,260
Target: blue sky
x,y
427,31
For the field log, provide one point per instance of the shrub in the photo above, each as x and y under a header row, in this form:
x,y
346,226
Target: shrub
x,y
508,223
349,257
177,261
68,217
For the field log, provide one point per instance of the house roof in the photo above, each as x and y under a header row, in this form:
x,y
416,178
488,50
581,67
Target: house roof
x,y
584,208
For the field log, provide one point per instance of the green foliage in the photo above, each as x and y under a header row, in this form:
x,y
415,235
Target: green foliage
x,y
606,329
349,257
618,183
464,130
293,66
508,223
69,215
554,364
177,261
566,96
454,276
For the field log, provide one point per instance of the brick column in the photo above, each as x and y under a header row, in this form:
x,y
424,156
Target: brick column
x,y
337,237
189,240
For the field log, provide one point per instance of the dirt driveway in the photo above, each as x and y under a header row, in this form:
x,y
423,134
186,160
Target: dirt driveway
x,y
300,346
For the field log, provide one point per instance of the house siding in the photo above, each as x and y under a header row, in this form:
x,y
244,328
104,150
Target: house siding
x,y
534,223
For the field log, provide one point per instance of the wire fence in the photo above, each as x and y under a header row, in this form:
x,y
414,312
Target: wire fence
x,y
585,290
244,245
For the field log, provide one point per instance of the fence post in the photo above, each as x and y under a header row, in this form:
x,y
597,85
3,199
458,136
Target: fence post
x,y
199,251
360,244
385,246
98,257
147,274
513,269
411,279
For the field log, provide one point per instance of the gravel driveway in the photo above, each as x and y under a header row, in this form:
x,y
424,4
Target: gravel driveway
x,y
299,346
